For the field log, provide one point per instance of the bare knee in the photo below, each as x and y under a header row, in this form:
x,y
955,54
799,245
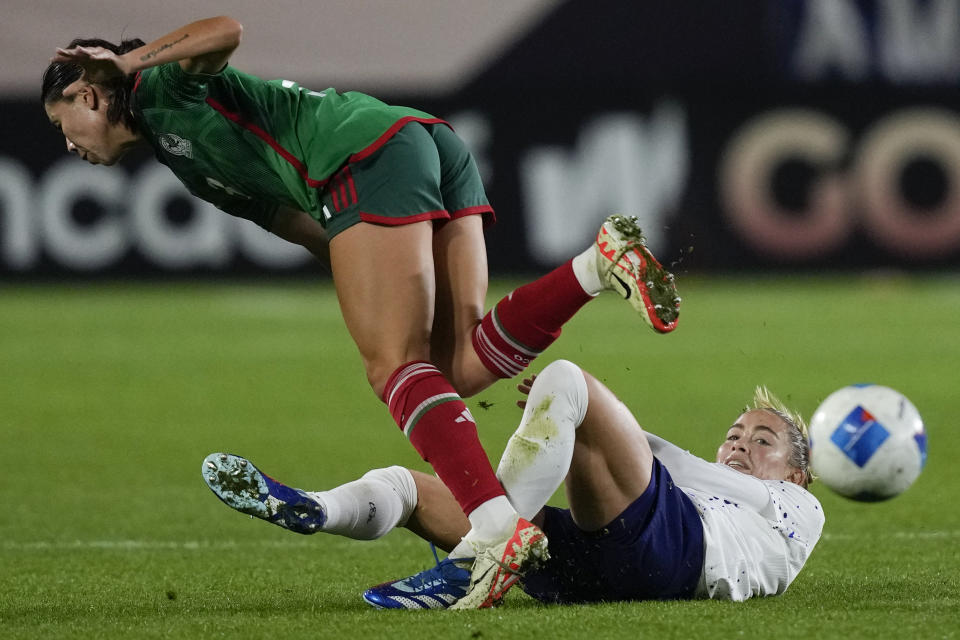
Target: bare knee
x,y
459,362
379,370
559,372
470,385
377,378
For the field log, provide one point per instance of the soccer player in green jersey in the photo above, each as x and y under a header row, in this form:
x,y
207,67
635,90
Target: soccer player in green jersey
x,y
392,199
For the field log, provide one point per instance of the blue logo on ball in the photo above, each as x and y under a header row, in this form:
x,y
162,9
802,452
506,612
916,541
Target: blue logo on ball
x,y
859,436
921,440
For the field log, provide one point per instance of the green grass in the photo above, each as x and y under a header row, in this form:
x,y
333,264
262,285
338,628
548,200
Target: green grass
x,y
111,395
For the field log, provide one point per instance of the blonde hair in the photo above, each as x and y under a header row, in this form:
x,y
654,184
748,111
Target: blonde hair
x,y
796,429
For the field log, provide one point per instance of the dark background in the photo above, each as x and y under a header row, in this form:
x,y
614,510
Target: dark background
x,y
723,66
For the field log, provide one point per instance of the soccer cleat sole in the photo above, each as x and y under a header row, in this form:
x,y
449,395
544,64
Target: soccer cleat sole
x,y
628,267
241,486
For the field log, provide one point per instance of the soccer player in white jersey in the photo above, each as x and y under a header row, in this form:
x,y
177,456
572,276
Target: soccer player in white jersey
x,y
647,519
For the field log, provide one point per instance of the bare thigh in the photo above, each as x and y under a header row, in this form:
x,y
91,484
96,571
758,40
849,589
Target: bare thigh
x,y
384,278
612,460
460,261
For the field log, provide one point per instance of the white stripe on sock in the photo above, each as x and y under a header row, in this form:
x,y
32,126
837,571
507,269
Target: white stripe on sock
x,y
409,372
500,360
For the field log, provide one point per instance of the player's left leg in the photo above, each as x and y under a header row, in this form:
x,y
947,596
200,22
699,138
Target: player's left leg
x,y
364,509
473,348
239,484
476,349
460,262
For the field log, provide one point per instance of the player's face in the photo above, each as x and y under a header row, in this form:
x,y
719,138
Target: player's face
x,y
758,444
82,118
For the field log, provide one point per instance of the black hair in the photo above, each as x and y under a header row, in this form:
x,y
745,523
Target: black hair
x,y
60,75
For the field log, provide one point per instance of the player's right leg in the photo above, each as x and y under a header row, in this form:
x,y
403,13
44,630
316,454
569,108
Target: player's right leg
x,y
611,463
575,430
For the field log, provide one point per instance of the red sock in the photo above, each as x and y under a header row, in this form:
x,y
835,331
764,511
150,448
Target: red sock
x,y
439,425
527,321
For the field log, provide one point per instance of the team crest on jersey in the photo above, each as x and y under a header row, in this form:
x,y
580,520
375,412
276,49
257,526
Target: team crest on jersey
x,y
175,145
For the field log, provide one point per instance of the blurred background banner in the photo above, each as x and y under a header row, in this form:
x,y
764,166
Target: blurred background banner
x,y
757,134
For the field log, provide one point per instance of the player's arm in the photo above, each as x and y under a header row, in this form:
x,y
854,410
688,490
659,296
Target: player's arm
x,y
299,228
288,223
204,46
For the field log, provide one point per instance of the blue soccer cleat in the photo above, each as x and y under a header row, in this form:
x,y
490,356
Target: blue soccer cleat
x,y
242,486
434,588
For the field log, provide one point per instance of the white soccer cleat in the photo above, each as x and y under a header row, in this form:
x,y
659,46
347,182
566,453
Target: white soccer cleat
x,y
626,266
499,565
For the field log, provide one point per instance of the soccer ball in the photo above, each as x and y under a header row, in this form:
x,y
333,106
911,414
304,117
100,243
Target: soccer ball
x,y
867,442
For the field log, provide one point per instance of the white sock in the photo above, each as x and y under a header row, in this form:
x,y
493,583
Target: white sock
x,y
494,519
586,271
370,507
537,457
463,550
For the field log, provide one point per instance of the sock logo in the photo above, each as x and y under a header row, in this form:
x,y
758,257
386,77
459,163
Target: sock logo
x,y
372,512
465,416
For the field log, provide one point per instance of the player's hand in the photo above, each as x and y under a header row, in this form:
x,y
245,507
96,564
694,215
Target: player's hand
x,y
99,64
524,388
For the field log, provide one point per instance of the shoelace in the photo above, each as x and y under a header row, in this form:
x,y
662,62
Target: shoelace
x,y
429,576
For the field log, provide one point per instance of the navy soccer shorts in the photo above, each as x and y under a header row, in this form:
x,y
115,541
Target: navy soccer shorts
x,y
651,551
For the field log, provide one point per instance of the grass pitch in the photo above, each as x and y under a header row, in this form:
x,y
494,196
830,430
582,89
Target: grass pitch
x,y
111,396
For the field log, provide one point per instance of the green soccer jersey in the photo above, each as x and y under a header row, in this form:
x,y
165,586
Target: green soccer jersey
x,y
249,146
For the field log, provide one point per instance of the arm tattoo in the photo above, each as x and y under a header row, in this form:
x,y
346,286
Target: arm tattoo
x,y
156,52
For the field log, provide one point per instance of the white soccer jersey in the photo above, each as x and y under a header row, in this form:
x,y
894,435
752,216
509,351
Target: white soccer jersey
x,y
757,533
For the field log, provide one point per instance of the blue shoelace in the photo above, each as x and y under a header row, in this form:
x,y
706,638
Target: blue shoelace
x,y
440,571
